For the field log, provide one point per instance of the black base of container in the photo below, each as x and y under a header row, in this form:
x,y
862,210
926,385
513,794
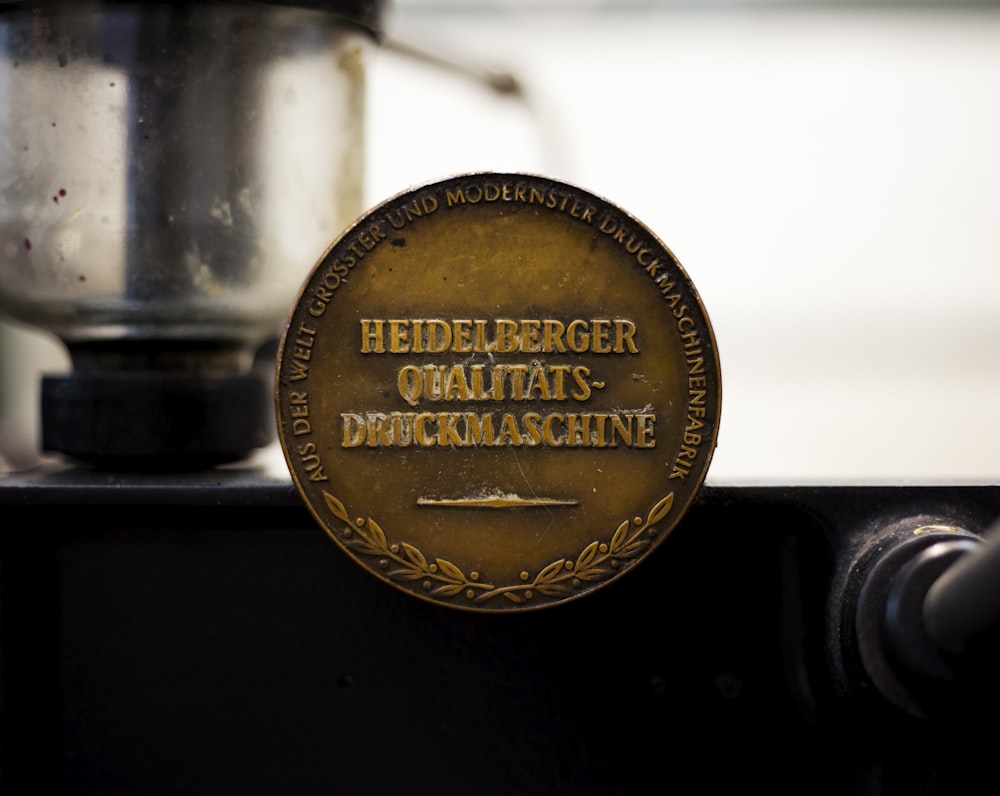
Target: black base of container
x,y
153,420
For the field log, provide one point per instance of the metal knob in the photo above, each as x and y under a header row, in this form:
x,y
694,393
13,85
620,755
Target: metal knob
x,y
928,622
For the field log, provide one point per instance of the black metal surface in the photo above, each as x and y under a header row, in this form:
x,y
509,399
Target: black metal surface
x,y
201,635
155,420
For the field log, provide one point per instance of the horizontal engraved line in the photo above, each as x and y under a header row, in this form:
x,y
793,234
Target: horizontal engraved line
x,y
495,502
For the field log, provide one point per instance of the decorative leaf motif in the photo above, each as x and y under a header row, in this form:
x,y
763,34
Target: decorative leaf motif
x,y
448,590
587,555
362,545
660,510
364,541
594,573
336,507
378,536
594,563
619,537
449,570
550,571
416,557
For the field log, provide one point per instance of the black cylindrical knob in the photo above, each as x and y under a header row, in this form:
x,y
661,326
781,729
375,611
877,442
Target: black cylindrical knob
x,y
963,603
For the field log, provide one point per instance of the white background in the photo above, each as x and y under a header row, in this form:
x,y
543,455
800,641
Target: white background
x,y
828,177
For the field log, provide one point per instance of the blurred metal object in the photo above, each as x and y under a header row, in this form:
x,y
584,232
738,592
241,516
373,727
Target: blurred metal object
x,y
502,81
168,174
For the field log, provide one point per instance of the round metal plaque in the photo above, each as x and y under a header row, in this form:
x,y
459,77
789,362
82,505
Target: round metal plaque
x,y
498,392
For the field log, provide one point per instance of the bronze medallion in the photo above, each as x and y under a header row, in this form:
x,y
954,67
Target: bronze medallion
x,y
498,392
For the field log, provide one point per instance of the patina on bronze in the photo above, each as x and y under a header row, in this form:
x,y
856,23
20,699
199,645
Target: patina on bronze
x,y
498,392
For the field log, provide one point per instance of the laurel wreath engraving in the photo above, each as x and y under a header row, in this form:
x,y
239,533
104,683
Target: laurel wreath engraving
x,y
440,578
